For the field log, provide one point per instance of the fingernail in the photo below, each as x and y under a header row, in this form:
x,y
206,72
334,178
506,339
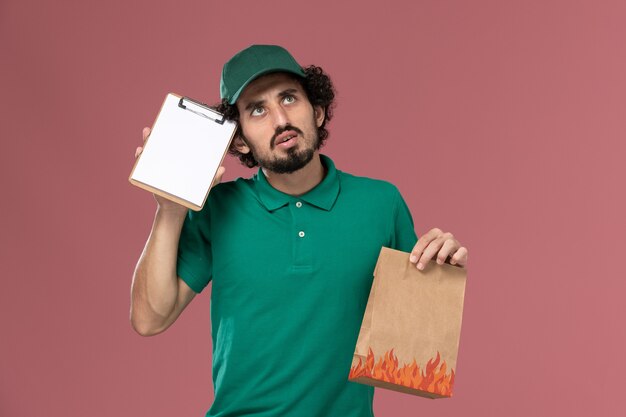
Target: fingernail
x,y
439,261
413,258
420,266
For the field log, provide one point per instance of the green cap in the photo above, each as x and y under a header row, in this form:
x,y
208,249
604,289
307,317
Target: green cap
x,y
251,63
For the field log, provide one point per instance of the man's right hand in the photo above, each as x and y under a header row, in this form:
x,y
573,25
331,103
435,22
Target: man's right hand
x,y
158,295
164,204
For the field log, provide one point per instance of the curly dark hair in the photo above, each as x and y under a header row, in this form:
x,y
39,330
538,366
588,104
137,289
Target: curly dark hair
x,y
320,92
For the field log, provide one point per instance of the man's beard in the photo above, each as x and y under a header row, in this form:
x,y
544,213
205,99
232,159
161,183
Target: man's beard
x,y
295,159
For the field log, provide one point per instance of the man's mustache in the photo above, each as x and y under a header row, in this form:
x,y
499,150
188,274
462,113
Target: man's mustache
x,y
282,130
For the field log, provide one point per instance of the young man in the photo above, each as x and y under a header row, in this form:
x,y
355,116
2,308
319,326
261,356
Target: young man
x,y
290,251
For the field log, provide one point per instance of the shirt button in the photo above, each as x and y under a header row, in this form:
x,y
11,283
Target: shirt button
x,y
301,234
299,204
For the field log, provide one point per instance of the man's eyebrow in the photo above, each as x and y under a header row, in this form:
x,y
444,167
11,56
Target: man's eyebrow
x,y
254,104
288,92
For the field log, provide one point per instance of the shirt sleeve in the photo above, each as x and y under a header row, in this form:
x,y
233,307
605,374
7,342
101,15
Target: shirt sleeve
x,y
403,231
195,259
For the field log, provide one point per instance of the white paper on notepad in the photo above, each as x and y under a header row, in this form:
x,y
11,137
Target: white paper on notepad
x,y
184,151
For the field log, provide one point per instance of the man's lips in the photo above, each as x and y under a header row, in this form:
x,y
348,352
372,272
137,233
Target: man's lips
x,y
285,136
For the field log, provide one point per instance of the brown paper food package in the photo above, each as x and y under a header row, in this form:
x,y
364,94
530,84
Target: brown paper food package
x,y
409,337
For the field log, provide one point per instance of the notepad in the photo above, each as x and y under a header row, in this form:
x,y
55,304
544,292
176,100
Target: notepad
x,y
185,148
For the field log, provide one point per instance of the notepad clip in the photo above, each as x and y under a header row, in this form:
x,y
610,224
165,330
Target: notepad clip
x,y
201,110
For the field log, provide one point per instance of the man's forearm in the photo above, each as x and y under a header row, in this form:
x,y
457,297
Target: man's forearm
x,y
154,289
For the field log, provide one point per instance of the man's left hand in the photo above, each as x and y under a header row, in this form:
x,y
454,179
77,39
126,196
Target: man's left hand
x,y
438,244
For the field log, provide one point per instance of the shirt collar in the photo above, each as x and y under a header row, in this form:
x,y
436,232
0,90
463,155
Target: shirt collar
x,y
323,195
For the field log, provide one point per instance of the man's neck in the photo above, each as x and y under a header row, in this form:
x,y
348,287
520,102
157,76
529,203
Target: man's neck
x,y
300,181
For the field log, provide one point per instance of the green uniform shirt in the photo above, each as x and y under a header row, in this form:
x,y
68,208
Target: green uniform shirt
x,y
291,278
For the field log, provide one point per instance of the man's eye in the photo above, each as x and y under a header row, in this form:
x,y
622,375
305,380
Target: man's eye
x,y
257,111
289,99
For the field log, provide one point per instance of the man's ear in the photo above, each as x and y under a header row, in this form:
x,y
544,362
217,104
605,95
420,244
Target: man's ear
x,y
319,113
240,144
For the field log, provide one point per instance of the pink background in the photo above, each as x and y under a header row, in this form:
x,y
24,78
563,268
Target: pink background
x,y
502,122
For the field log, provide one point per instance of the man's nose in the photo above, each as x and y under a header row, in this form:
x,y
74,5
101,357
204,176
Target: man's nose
x,y
279,117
